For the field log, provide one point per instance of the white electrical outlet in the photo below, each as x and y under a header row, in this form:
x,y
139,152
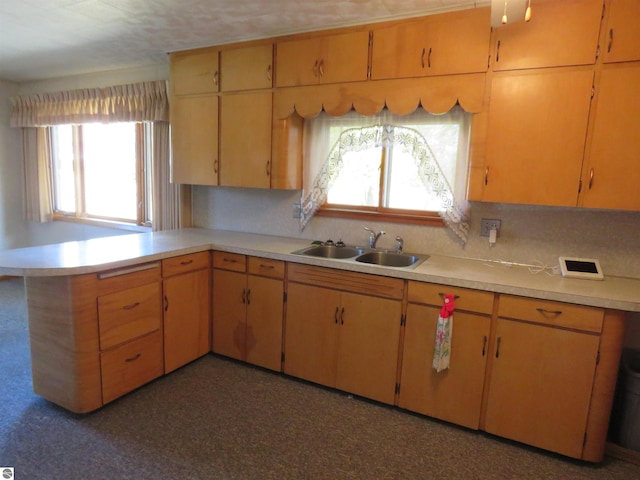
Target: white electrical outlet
x,y
296,211
486,225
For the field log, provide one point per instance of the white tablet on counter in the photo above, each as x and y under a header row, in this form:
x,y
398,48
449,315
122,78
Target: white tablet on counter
x,y
574,267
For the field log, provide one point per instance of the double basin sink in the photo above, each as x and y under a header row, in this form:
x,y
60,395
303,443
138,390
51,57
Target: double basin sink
x,y
361,255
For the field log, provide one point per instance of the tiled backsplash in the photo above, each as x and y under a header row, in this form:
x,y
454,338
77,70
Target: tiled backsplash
x,y
529,234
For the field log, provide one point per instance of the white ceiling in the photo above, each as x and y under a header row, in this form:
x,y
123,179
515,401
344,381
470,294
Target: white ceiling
x,y
42,39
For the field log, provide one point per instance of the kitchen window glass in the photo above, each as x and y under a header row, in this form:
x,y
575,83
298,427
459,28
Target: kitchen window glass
x,y
100,172
398,168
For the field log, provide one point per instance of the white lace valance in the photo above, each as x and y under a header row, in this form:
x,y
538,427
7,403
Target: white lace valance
x,y
140,102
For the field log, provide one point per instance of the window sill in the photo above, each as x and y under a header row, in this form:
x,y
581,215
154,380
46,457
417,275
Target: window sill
x,y
102,223
431,219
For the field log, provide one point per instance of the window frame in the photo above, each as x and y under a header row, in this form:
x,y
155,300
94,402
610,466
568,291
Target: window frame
x,y
143,222
380,213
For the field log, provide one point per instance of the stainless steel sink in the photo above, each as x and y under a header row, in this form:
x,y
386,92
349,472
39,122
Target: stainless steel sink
x,y
389,259
330,251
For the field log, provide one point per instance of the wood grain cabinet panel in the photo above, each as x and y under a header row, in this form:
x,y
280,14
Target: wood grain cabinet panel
x,y
194,72
559,34
622,35
342,339
455,394
337,58
187,309
611,177
537,127
194,137
245,140
444,44
246,68
131,365
129,314
248,309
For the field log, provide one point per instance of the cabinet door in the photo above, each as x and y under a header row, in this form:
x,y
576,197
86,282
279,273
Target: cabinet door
x,y
559,34
612,178
229,313
369,336
437,45
536,136
455,394
330,59
622,42
264,322
194,136
540,387
311,340
194,72
245,140
246,68
186,318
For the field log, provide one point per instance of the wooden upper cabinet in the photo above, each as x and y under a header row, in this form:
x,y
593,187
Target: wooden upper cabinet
x,y
622,37
245,140
559,34
194,136
536,136
247,68
327,59
450,43
194,72
612,176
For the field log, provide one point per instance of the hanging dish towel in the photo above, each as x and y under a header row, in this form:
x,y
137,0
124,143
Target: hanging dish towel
x,y
444,332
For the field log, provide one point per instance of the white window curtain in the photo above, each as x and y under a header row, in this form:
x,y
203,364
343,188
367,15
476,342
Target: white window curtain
x,y
140,102
328,138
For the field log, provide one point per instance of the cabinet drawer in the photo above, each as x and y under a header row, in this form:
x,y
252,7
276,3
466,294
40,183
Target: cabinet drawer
x,y
230,261
466,299
552,313
374,285
131,365
266,267
127,277
185,263
125,315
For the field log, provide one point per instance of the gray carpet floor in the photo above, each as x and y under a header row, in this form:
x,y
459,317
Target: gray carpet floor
x,y
220,419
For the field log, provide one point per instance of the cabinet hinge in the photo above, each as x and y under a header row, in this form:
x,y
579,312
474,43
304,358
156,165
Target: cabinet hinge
x,y
397,388
284,297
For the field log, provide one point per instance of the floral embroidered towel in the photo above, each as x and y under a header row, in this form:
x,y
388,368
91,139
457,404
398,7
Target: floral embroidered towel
x,y
444,332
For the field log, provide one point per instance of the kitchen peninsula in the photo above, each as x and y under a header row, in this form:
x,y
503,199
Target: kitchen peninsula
x,y
110,314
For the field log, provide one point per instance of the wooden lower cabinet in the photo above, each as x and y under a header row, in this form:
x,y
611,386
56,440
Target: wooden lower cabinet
x,y
342,339
454,394
248,309
540,387
552,375
126,367
187,309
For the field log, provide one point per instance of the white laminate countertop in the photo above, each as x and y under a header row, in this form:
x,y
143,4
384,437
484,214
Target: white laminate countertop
x,y
102,254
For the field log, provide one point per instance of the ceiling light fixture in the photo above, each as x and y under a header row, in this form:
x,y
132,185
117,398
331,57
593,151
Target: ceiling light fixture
x,y
504,10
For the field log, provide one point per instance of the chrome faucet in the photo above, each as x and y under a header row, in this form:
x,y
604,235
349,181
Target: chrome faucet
x,y
400,244
373,236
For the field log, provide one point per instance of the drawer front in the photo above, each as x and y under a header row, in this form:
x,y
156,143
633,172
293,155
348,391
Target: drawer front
x,y
129,314
131,365
230,261
567,315
127,277
185,263
344,280
266,267
466,299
